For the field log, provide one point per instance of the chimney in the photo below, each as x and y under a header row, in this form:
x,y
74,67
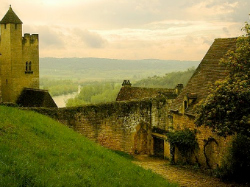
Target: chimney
x,y
126,83
178,89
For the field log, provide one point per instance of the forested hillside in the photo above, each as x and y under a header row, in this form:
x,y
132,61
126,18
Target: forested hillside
x,y
100,92
169,80
100,79
58,87
96,92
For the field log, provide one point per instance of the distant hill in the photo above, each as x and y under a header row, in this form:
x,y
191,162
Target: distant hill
x,y
101,69
38,151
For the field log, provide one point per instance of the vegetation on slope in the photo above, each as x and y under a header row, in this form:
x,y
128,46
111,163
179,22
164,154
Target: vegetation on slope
x,y
100,92
169,80
94,93
38,151
58,87
106,91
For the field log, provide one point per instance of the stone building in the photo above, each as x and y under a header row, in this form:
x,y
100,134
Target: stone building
x,y
161,100
211,147
19,59
19,65
180,111
128,92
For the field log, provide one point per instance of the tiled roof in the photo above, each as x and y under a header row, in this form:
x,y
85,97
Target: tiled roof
x,y
10,17
130,93
207,73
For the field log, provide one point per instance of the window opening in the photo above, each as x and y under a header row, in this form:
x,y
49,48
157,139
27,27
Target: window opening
x,y
26,66
28,69
29,66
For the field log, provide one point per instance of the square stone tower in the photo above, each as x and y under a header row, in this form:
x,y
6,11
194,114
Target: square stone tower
x,y
19,58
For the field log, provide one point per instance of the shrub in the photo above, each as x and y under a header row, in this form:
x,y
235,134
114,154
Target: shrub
x,y
236,165
184,140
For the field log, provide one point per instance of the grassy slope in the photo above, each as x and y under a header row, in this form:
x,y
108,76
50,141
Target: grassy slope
x,y
37,151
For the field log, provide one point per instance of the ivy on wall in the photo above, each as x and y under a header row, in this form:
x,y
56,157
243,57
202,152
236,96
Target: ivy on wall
x,y
184,140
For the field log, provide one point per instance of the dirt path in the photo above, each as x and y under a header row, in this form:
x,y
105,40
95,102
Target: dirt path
x,y
184,177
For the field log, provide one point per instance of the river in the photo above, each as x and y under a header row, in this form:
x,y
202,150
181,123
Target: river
x,y
61,100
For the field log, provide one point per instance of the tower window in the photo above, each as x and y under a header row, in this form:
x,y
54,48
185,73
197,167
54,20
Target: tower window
x,y
28,68
5,25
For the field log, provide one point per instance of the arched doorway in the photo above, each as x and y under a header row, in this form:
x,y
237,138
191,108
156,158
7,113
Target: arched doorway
x,y
141,140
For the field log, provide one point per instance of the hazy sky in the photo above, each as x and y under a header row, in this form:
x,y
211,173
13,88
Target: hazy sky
x,y
129,29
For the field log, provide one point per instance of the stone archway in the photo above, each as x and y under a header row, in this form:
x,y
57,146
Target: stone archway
x,y
141,140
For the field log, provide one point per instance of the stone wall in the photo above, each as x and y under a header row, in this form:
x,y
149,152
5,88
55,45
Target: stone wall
x,y
212,148
139,127
125,126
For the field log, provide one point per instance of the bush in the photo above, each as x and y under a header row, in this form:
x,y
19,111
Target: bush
x,y
236,165
184,140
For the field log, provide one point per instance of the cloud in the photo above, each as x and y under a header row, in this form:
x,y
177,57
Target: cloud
x,y
129,29
225,30
49,37
211,9
90,39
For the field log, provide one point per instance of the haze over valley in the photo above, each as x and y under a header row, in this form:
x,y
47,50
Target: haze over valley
x,y
102,78
96,69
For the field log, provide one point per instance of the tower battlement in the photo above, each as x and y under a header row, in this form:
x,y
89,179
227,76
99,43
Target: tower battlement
x,y
30,39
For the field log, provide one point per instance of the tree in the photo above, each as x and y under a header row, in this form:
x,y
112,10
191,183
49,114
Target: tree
x,y
227,109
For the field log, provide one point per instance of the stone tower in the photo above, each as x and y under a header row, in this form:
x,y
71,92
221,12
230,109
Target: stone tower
x,y
19,58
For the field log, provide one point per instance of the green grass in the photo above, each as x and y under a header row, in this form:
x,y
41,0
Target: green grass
x,y
38,151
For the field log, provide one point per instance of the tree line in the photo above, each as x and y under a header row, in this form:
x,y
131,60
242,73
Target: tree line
x,y
169,80
102,91
97,92
58,87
